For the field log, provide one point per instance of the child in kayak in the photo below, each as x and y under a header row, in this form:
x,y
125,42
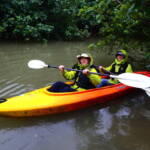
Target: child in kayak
x,y
82,80
120,65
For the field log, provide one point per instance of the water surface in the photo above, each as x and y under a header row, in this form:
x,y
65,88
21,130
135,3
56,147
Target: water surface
x,y
120,125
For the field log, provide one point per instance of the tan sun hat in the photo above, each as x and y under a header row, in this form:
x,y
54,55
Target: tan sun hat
x,y
83,55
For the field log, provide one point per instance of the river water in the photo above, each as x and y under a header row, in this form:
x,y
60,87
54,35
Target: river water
x,y
120,125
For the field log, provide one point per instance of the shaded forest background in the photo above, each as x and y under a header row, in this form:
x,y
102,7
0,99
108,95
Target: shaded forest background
x,y
111,21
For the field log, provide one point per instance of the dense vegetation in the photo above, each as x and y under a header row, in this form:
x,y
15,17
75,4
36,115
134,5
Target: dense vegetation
x,y
40,19
111,20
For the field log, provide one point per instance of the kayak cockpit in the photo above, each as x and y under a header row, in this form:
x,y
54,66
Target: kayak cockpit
x,y
2,100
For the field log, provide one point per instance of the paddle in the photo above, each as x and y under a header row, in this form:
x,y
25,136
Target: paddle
x,y
38,64
129,79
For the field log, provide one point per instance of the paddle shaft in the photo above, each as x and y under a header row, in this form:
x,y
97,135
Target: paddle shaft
x,y
69,69
38,64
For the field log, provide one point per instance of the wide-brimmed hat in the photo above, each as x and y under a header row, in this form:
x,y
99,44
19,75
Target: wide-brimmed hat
x,y
83,55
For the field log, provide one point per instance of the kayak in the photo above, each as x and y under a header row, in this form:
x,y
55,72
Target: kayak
x,y
42,102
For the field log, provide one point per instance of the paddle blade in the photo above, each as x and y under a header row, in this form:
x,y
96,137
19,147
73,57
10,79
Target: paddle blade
x,y
36,64
135,80
147,91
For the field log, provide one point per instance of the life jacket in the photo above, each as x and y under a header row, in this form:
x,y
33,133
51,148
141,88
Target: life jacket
x,y
96,68
122,68
82,80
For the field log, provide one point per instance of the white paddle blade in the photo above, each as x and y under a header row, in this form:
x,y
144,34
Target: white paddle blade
x,y
147,91
135,80
36,64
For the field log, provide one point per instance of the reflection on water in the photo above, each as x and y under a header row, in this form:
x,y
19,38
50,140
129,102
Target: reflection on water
x,y
122,129
123,112
146,113
121,125
105,122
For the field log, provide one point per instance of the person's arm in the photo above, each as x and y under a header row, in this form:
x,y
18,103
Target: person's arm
x,y
69,75
129,68
105,69
94,78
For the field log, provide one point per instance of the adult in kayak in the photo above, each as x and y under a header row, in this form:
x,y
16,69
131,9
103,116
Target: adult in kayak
x,y
120,65
82,80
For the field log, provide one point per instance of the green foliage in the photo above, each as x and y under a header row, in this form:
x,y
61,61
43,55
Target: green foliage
x,y
40,19
118,22
111,20
118,18
24,19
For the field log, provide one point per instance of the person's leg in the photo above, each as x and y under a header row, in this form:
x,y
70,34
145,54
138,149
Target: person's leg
x,y
67,88
56,86
60,87
104,82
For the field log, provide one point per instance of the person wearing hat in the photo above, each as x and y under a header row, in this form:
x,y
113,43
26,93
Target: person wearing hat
x,y
82,80
120,65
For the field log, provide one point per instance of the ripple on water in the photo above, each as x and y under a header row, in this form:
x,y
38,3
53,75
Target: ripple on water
x,y
11,88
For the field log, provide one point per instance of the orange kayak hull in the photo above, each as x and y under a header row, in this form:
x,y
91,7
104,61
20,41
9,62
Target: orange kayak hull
x,y
41,102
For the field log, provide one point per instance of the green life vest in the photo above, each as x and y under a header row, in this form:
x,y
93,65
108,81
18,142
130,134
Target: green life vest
x,y
122,68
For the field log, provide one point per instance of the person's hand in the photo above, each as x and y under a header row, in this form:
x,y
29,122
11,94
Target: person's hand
x,y
86,71
61,68
100,68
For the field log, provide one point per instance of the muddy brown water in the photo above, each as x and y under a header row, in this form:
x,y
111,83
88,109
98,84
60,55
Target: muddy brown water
x,y
120,125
